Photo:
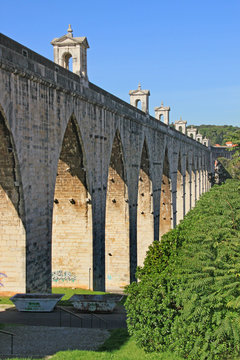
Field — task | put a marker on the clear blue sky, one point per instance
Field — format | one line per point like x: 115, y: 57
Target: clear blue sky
x: 186, y: 52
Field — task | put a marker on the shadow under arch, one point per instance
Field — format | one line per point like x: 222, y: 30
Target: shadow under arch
x: 72, y: 215
x: 204, y: 174
x: 145, y: 220
x: 194, y: 182
x: 117, y: 256
x: 188, y: 189
x: 166, y: 211
x: 198, y: 180
x: 180, y: 193
x: 12, y: 216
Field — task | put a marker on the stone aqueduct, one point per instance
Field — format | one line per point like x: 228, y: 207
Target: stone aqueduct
x: 87, y: 181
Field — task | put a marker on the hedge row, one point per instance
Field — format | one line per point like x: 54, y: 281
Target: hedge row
x: 187, y: 299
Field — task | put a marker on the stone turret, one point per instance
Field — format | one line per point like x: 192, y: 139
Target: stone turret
x: 192, y: 132
x: 199, y: 138
x: 206, y: 141
x: 162, y: 113
x: 180, y: 125
x: 141, y: 96
x: 67, y: 47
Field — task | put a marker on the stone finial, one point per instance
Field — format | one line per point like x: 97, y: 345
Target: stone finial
x: 141, y: 96
x: 70, y: 31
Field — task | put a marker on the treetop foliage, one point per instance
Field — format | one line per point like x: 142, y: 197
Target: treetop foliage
x: 233, y: 165
x: 217, y: 134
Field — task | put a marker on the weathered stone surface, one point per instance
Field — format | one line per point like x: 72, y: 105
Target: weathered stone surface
x: 69, y: 139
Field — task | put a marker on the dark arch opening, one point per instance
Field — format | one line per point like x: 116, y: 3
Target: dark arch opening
x: 193, y: 180
x: 187, y: 188
x: 72, y: 216
x: 165, y: 221
x: 204, y: 186
x: 138, y: 104
x: 67, y: 61
x: 117, y: 222
x: 145, y: 223
x: 180, y: 195
x: 12, y: 230
x: 197, y: 180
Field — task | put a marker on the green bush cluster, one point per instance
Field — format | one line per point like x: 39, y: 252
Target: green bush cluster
x: 187, y: 299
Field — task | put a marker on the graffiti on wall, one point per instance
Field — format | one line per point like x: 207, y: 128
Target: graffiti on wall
x: 64, y: 276
x: 2, y: 277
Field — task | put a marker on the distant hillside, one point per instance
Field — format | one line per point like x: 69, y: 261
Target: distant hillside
x: 216, y: 134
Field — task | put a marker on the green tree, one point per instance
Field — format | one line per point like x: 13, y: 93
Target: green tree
x: 233, y: 165
x: 217, y: 134
x: 188, y: 296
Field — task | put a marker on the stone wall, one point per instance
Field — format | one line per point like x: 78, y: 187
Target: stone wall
x: 74, y: 141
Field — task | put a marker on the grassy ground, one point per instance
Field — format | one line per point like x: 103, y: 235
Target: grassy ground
x: 118, y: 347
x: 70, y: 292
x: 5, y: 300
x: 63, y: 290
x: 59, y: 290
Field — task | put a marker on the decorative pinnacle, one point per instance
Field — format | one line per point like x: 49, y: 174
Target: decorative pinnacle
x: 139, y: 86
x: 162, y: 103
x: 180, y: 118
x: 70, y: 32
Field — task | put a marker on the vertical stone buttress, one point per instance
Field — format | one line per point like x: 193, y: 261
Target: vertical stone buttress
x: 180, y: 195
x: 165, y: 223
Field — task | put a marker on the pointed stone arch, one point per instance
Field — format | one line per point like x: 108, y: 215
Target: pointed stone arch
x: 166, y: 211
x: 180, y: 192
x: 205, y: 174
x: 72, y: 215
x: 194, y: 180
x: 188, y: 188
x: 202, y: 174
x: 12, y: 216
x: 145, y: 219
x: 117, y: 259
x: 198, y: 177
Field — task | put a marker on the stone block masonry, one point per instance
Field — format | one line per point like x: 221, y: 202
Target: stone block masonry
x: 87, y: 181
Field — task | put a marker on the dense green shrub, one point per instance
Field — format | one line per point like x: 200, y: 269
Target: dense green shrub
x: 187, y: 299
